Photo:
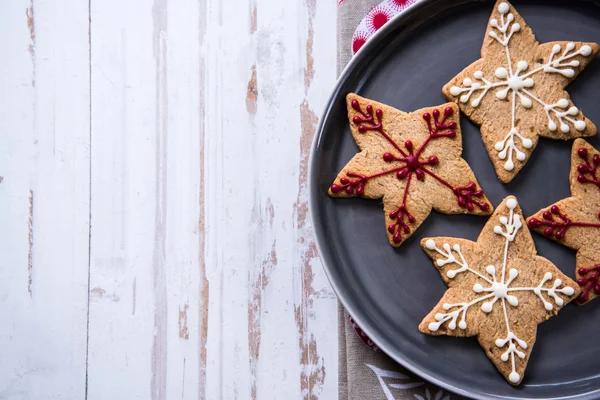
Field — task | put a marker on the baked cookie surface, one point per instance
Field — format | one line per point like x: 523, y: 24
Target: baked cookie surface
x: 410, y: 160
x: 498, y: 289
x: 515, y: 91
x: 575, y: 221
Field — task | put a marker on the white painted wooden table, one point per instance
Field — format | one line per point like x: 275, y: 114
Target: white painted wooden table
x: 154, y: 239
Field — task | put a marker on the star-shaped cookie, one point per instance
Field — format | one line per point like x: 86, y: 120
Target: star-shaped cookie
x: 575, y: 221
x: 498, y: 290
x: 515, y: 91
x: 412, y: 161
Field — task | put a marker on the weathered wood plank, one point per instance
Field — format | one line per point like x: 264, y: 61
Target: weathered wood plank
x: 204, y: 279
x: 145, y: 239
x: 269, y: 65
x: 44, y: 198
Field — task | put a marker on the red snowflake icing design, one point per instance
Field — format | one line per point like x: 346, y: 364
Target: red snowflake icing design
x: 588, y: 283
x: 378, y: 16
x: 411, y: 164
x: 587, y: 170
x: 556, y: 223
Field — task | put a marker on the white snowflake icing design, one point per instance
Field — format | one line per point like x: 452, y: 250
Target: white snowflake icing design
x: 515, y: 82
x: 491, y: 291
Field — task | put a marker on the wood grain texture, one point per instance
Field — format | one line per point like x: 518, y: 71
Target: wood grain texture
x: 160, y: 150
x: 145, y: 246
x: 44, y: 198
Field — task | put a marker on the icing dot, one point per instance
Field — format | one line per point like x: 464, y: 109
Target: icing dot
x: 511, y: 203
x: 552, y: 126
x: 564, y: 128
x: 585, y: 50
x: 477, y: 288
x: 568, y: 291
x: 563, y: 103
x: 573, y: 110
x: 570, y: 46
x: 569, y: 73
x: 529, y: 82
x: 451, y: 274
x: 503, y: 8
x: 467, y: 82
x: 487, y: 307
x: 499, y: 146
x: 456, y: 247
x: 452, y: 325
x: 494, y: 22
x: 499, y: 342
x: 439, y: 316
x: 504, y: 356
x: 580, y: 125
x: 462, y: 325
x: 509, y: 165
x: 502, y: 73
x: 559, y: 301
x: 490, y: 269
x: 521, y: 156
x: 464, y: 98
x: 514, y: 377
x: 497, y: 230
x: 478, y: 74
x: 455, y: 91
x: 504, y: 220
x: 433, y: 326
x: 527, y: 143
x: 446, y: 306
x: 526, y: 102
x: 513, y: 273
x: 516, y: 27
x: 556, y: 48
x: 548, y: 306
x: 512, y: 300
x: 501, y: 94
x: 522, y: 65
x: 430, y: 244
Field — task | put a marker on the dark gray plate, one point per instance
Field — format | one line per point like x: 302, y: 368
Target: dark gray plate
x: 388, y: 291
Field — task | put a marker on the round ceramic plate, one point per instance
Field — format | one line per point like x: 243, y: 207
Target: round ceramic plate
x: 388, y: 291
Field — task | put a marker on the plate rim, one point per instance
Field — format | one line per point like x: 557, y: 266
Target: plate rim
x: 399, y: 19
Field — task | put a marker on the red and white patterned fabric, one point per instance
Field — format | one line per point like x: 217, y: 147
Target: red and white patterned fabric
x: 375, y: 19
x: 363, y: 336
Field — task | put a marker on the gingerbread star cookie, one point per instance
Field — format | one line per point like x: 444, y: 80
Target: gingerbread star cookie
x: 575, y: 221
x: 498, y: 290
x: 412, y: 161
x: 515, y: 91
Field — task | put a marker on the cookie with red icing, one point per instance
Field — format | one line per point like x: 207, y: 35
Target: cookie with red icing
x: 575, y: 221
x: 516, y: 91
x: 410, y: 160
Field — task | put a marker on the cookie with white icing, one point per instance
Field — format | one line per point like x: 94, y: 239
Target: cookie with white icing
x: 498, y: 289
x: 575, y: 221
x: 515, y: 91
x: 410, y: 160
